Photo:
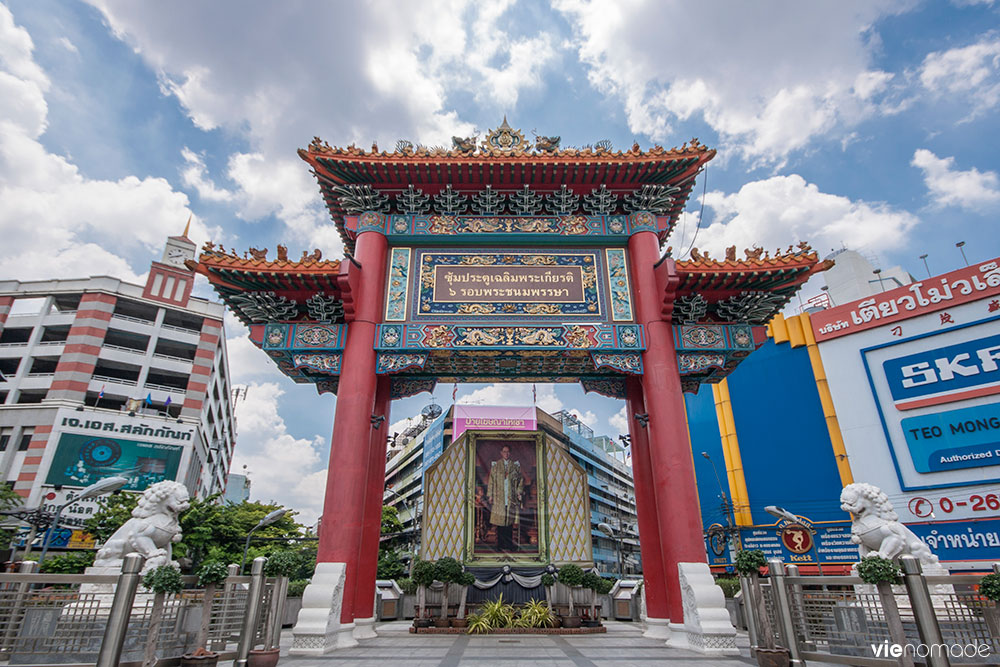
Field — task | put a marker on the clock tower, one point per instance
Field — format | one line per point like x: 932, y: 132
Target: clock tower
x: 170, y: 280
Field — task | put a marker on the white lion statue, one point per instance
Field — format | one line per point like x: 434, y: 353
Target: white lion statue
x: 875, y: 526
x: 151, y: 531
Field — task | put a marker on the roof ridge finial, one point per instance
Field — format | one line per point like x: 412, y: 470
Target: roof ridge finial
x: 187, y: 227
x: 504, y: 124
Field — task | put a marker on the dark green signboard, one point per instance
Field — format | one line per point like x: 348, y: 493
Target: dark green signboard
x: 81, y: 460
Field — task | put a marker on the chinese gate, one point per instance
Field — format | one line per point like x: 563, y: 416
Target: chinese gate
x: 503, y: 262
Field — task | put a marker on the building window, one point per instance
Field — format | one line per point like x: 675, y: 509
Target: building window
x: 4, y: 439
x: 25, y: 441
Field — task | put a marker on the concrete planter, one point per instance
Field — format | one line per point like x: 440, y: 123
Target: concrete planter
x: 291, y: 612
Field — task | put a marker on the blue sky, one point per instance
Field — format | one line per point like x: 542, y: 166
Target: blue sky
x: 870, y: 125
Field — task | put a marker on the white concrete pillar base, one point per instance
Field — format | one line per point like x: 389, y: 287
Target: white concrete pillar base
x: 707, y: 628
x: 318, y: 629
x: 657, y: 628
x: 364, y: 628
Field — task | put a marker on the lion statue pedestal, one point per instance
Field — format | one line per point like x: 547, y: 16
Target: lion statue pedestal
x: 876, y: 529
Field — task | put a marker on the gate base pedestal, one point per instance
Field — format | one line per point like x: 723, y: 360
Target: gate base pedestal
x: 706, y: 627
x: 318, y: 629
x: 364, y: 628
x: 657, y: 628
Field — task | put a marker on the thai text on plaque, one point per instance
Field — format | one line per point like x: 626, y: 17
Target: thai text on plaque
x: 487, y: 284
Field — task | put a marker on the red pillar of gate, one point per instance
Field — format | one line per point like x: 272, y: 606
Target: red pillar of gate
x: 671, y: 464
x: 645, y: 508
x: 364, y: 592
x: 347, y: 475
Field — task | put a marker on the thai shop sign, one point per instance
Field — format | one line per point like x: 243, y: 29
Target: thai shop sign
x: 961, y: 540
x: 492, y: 418
x: 146, y: 428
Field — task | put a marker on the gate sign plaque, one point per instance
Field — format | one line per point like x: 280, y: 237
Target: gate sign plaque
x: 510, y: 284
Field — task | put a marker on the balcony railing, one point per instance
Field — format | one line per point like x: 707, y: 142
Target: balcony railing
x: 106, y: 378
x: 122, y: 348
x: 163, y: 387
x: 171, y: 357
x: 172, y: 327
x: 129, y: 318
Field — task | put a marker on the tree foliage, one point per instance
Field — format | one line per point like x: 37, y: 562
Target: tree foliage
x: 113, y: 511
x: 390, y: 565
x: 71, y: 562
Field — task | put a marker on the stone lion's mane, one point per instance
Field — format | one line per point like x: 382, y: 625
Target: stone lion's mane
x: 876, y: 499
x: 152, y: 499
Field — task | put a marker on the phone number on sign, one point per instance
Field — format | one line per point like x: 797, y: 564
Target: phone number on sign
x: 924, y: 507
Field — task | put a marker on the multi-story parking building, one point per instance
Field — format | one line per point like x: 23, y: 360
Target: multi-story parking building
x: 101, y: 377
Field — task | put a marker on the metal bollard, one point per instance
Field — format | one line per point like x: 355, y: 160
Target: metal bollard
x: 121, y: 609
x: 750, y: 612
x: 923, y: 609
x: 255, y: 597
x: 277, y: 611
x: 783, y: 611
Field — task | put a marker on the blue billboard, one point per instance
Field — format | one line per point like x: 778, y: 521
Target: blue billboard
x: 945, y: 374
x: 434, y: 442
x: 954, y: 439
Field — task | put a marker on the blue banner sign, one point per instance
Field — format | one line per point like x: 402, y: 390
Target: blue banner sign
x: 799, y: 543
x: 433, y: 442
x: 966, y: 438
x: 945, y: 374
x: 961, y: 540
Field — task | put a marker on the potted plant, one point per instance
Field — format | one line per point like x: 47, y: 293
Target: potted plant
x: 465, y: 580
x: 883, y: 574
x: 591, y: 581
x: 281, y: 565
x: 989, y: 588
x: 210, y: 575
x: 161, y: 581
x: 534, y: 614
x: 422, y: 574
x: 748, y: 565
x: 571, y: 576
x: 448, y: 571
x: 549, y: 582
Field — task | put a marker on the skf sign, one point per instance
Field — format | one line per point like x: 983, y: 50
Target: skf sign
x: 946, y: 374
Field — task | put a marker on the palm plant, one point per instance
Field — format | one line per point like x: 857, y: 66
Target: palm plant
x: 535, y: 614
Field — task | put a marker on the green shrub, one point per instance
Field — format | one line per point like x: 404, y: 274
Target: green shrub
x: 423, y: 573
x: 548, y: 580
x: 571, y: 575
x: 498, y: 613
x: 989, y: 587
x: 71, y: 562
x: 282, y: 564
x: 296, y: 587
x: 730, y: 586
x: 534, y: 614
x: 467, y: 579
x: 878, y: 570
x: 212, y: 572
x: 407, y: 585
x: 605, y: 586
x: 447, y: 570
x: 390, y: 565
x: 750, y: 561
x: 478, y: 624
x: 591, y: 580
x: 164, y: 579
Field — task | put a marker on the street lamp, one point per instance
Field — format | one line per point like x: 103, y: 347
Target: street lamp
x: 266, y: 521
x: 927, y: 268
x: 962, y: 250
x: 782, y: 513
x: 610, y: 532
x: 98, y: 488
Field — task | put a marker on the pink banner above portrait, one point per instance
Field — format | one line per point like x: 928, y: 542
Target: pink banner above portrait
x: 492, y: 418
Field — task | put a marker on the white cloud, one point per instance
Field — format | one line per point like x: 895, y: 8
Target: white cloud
x: 947, y: 186
x: 194, y: 175
x: 619, y: 421
x: 783, y: 210
x: 381, y: 89
x: 767, y: 81
x: 972, y: 71
x: 282, y: 468
x: 514, y: 394
x: 56, y: 222
x: 68, y: 45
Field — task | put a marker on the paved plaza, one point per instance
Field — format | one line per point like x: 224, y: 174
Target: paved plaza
x: 622, y: 646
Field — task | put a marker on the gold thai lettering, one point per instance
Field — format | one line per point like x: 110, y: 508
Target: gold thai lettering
x: 534, y: 284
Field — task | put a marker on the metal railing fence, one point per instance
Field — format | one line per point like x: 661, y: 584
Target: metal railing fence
x: 104, y: 619
x: 842, y: 620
